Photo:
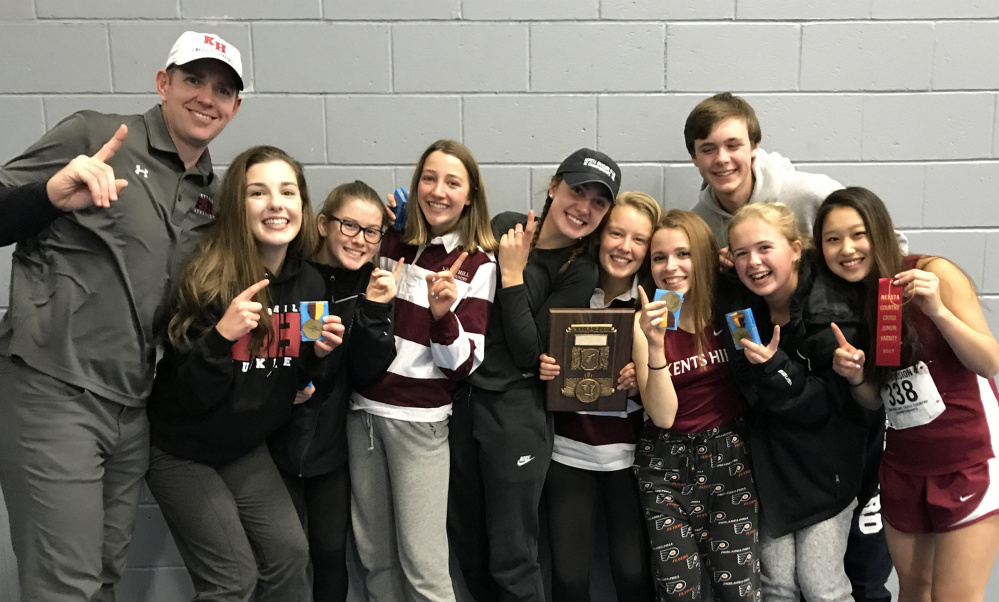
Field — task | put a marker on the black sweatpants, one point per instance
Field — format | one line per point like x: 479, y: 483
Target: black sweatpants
x: 323, y: 506
x: 572, y: 496
x: 501, y: 446
x: 868, y: 563
x: 701, y: 510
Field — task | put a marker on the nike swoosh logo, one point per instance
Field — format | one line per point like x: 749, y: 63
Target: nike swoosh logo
x: 524, y: 460
x: 718, y: 332
x: 965, y: 498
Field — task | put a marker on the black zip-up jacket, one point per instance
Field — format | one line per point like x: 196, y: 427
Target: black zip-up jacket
x: 808, y: 436
x: 314, y: 441
x: 518, y: 324
x: 213, y: 403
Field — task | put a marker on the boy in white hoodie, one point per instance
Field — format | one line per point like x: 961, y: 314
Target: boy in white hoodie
x: 723, y: 137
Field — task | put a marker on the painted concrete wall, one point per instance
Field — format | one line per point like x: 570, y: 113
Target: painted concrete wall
x: 896, y: 95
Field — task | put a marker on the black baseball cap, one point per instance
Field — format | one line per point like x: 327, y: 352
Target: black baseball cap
x: 586, y: 166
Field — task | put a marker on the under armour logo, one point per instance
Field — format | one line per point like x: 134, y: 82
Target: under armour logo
x: 140, y: 171
x: 524, y: 460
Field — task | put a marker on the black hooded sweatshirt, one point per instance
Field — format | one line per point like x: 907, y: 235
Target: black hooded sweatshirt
x: 808, y: 436
x: 314, y: 441
x: 214, y: 402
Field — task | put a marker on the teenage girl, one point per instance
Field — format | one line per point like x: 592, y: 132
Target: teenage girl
x: 938, y: 477
x: 397, y: 431
x: 228, y: 378
x: 502, y: 443
x: 311, y: 449
x: 693, y: 466
x: 594, y: 451
x: 808, y: 437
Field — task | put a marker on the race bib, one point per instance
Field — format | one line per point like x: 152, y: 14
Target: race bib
x: 911, y: 398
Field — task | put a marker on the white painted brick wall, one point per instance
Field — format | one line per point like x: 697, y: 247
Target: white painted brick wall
x: 897, y: 95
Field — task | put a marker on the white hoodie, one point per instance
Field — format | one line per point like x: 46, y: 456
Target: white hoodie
x: 775, y: 181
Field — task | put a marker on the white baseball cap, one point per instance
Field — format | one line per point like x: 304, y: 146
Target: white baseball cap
x: 191, y: 46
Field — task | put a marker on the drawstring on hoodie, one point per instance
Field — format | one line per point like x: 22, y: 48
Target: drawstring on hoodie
x: 366, y: 418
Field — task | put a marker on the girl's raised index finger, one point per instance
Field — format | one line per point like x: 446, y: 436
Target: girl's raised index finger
x: 253, y: 290
x: 531, y: 225
x: 839, y: 335
x: 457, y: 262
x: 398, y: 268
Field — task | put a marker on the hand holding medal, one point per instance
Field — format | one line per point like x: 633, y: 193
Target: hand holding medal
x: 757, y: 353
x: 442, y: 292
x: 651, y: 317
x: 305, y: 394
x: 243, y: 313
x: 332, y: 335
x: 381, y: 285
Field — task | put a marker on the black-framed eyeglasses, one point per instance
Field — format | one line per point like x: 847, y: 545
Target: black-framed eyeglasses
x: 350, y: 229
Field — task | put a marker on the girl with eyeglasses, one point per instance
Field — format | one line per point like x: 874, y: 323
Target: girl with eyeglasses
x: 397, y: 429
x: 311, y: 449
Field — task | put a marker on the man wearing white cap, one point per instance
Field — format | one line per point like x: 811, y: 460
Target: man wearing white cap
x: 126, y: 197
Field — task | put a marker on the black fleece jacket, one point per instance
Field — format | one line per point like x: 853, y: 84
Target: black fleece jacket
x: 517, y: 334
x: 314, y: 441
x: 808, y: 436
x: 213, y: 403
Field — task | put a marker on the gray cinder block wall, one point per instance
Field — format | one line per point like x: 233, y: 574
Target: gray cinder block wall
x: 896, y: 95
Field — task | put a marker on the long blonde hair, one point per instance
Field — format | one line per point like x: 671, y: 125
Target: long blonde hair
x: 473, y: 224
x: 649, y: 208
x: 777, y: 215
x: 226, y: 261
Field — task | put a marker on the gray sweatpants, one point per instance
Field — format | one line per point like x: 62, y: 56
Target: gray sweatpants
x: 809, y: 561
x: 235, y: 527
x: 71, y: 467
x: 399, y: 484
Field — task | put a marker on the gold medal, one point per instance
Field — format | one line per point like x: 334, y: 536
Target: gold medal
x: 672, y: 301
x: 312, y: 329
x: 741, y: 333
x: 587, y: 390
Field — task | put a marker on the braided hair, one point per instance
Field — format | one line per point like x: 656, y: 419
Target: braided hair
x: 582, y: 245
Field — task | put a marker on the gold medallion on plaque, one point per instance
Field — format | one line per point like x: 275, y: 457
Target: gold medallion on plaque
x: 591, y: 346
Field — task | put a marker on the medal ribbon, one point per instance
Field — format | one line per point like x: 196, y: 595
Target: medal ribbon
x: 889, y: 327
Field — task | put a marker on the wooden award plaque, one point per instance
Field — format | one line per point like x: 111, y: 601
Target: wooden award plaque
x: 591, y: 346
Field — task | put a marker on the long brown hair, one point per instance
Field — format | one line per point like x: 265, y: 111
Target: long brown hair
x: 887, y: 260
x: 226, y: 261
x: 473, y: 225
x: 700, y: 299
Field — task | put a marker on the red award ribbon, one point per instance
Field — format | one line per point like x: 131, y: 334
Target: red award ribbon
x: 889, y: 333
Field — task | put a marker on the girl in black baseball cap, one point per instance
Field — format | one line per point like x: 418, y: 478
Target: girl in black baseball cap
x: 501, y: 435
